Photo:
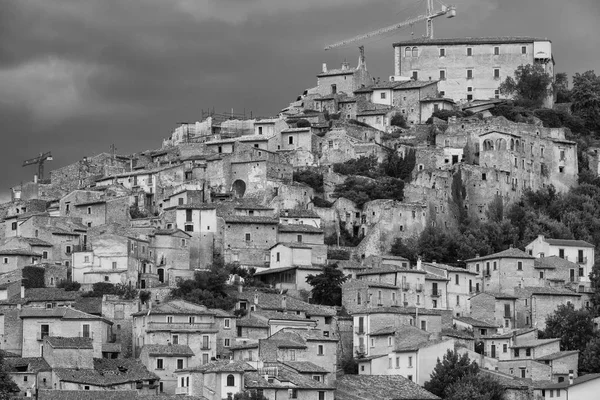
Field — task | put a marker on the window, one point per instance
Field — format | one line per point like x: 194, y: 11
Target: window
x: 528, y: 352
x: 561, y: 253
x: 496, y: 50
x: 523, y: 49
x: 227, y: 323
x: 321, y: 395
x: 89, y: 210
x: 415, y: 76
x: 495, y: 266
x: 45, y: 255
x: 230, y: 380
x: 320, y: 350
x: 383, y: 95
x: 175, y: 339
x: 442, y: 52
x: 410, y: 377
x: 497, y: 96
x: 180, y: 363
x: 114, y: 265
x: 226, y: 342
x: 504, y: 348
x: 299, y: 237
x: 68, y: 250
x: 290, y: 140
x: 333, y: 90
x: 293, y: 393
x: 25, y: 378
x: 86, y: 388
x: 415, y: 52
x: 410, y: 364
x: 496, y: 73
x: 424, y: 325
x: 458, y: 300
x: 442, y: 74
x: 469, y: 51
x: 389, y: 340
x: 407, y: 52
x: 44, y: 331
x: 248, y: 237
x: 85, y: 331
x: 159, y: 363
x: 442, y: 93
x: 293, y: 355
x: 192, y: 320
x: 516, y: 352
x: 469, y: 74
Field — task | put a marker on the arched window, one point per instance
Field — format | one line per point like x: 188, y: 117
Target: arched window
x: 415, y: 52
x: 512, y: 144
x: 230, y: 380
x: 488, y: 145
x: 517, y: 145
x: 407, y: 52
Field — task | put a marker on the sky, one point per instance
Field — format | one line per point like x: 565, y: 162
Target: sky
x: 79, y: 75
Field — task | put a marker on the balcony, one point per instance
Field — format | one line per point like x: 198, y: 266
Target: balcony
x: 205, y: 347
x: 359, y: 331
x: 180, y: 326
x: 436, y: 293
x: 405, y: 286
x: 41, y: 335
x: 581, y: 260
x: 419, y: 287
x: 182, y: 390
x: 360, y: 350
x: 86, y: 334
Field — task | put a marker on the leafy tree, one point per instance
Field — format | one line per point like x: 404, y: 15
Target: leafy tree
x: 319, y: 202
x: 398, y: 120
x: 400, y: 167
x: 589, y: 359
x: 446, y: 114
x: 69, y: 286
x: 350, y: 365
x: 595, y: 283
x: 399, y: 248
x: 145, y: 296
x: 207, y: 287
x: 33, y: 277
x: 327, y: 286
x: 303, y: 123
x: 530, y: 86
x: 363, y: 166
x: 310, y: 177
x: 561, y: 88
x: 361, y: 190
x: 575, y: 328
x: 248, y: 395
x: 8, y: 388
x: 475, y: 387
x: 586, y: 98
x: 448, y: 371
x: 99, y: 289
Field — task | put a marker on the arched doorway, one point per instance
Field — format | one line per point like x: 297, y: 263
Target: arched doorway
x: 161, y: 275
x: 239, y: 188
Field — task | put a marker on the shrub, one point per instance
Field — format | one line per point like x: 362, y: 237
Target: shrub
x: 319, y: 202
x: 69, y: 286
x: 398, y: 120
x: 33, y: 277
x: 302, y: 123
x: 338, y: 254
x: 311, y: 178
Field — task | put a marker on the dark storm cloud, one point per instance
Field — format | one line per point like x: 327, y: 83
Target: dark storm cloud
x: 78, y: 75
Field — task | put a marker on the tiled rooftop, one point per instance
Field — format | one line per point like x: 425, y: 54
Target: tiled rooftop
x: 59, y: 342
x: 508, y: 253
x: 380, y: 387
x: 471, y: 40
x: 168, y: 350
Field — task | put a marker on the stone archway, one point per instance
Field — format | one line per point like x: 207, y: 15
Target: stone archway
x: 239, y: 188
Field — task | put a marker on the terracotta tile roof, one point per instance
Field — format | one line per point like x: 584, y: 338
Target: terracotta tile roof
x: 553, y: 262
x: 568, y: 242
x: 576, y: 381
x: 471, y: 40
x: 389, y: 268
x: 375, y: 112
x: 508, y: 253
x: 284, y: 379
x: 273, y: 301
x: 338, y: 71
x: 250, y: 321
x: 201, y: 206
x: 19, y: 252
x: 380, y: 387
x: 89, y: 305
x: 305, y: 228
x: 435, y: 277
x: 395, y: 310
x: 305, y: 367
x: 182, y: 307
x: 545, y: 291
x: 456, y: 333
x: 298, y: 213
x: 50, y: 294
x: 107, y: 372
x: 168, y: 350
x: 26, y: 364
x: 533, y: 343
x: 46, y: 394
x: 269, y: 315
x: 293, y: 245
x: 475, y: 322
x: 557, y: 355
x: 270, y: 271
x: 449, y: 268
x: 36, y: 242
x: 222, y: 366
x: 170, y: 232
x: 247, y: 219
x: 510, y: 334
x: 59, y: 342
x: 65, y: 313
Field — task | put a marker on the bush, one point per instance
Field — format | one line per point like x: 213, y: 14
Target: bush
x: 312, y: 178
x: 361, y: 190
x: 303, y: 123
x: 33, y: 277
x: 398, y: 120
x: 319, y: 202
x: 363, y: 166
x: 337, y: 254
x: 69, y: 286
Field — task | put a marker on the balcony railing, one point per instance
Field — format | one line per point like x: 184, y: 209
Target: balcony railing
x: 419, y: 287
x: 360, y: 349
x: 581, y: 260
x: 436, y: 293
x: 405, y: 286
x: 359, y: 331
x: 205, y: 347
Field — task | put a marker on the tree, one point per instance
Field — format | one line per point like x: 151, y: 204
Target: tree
x: 207, y: 287
x: 312, y: 178
x: 450, y: 370
x: 398, y: 120
x: 249, y: 395
x: 595, y: 283
x: 69, y: 286
x: 475, y: 387
x: 399, y: 248
x: 531, y: 85
x: 99, y: 289
x: 145, y: 296
x: 327, y: 286
x: 589, y: 359
x: 8, y: 387
x: 33, y: 277
x: 561, y: 88
x: 586, y: 98
x: 303, y: 123
x: 575, y: 328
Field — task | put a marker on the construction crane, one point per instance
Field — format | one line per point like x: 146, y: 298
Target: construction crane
x: 428, y: 17
x: 39, y: 160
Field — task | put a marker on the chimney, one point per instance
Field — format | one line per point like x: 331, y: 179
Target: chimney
x: 22, y: 291
x: 419, y: 264
x: 477, y: 255
x: 35, y: 178
x: 362, y: 62
x: 284, y: 302
x: 514, y: 338
x: 345, y: 66
x: 255, y: 298
x: 434, y: 262
x: 571, y: 375
x: 324, y: 69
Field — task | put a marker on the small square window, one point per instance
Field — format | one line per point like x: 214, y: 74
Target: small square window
x: 523, y: 49
x: 442, y: 75
x: 496, y: 50
x: 469, y: 51
x: 469, y: 74
x: 496, y: 73
x: 442, y: 52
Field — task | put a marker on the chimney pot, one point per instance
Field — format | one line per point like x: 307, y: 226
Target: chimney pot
x: 22, y: 291
x: 324, y: 69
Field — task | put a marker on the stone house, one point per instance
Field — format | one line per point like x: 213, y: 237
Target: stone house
x: 179, y: 322
x: 345, y: 79
x: 248, y: 239
x: 460, y: 287
x: 291, y: 278
x: 214, y: 381
x: 94, y: 207
x: 375, y: 387
x: 406, y: 351
x: 503, y: 271
x: 534, y: 304
x: 201, y: 223
x: 120, y: 311
x: 495, y: 308
x: 296, y: 139
x: 429, y: 105
x: 381, y: 294
x: 164, y: 360
x: 410, y: 281
x: 269, y: 381
x: 171, y: 255
x: 35, y: 245
x: 17, y: 259
x: 62, y: 322
x: 29, y: 373
x: 576, y: 251
x: 471, y: 68
x: 498, y: 345
x: 436, y: 292
x: 580, y: 388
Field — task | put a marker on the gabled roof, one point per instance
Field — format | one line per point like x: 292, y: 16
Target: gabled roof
x: 181, y: 307
x: 533, y: 343
x: 35, y: 242
x: 47, y: 394
x: 107, y: 372
x: 273, y: 301
x: 389, y: 269
x: 59, y: 342
x: 50, y: 294
x: 298, y: 213
x: 29, y: 364
x: 270, y: 271
x: 545, y: 291
x: 577, y: 381
x: 475, y: 322
x: 168, y: 350
x: 289, y: 379
x: 557, y: 355
x: 471, y: 40
x: 568, y: 242
x: 553, y: 262
x: 508, y: 253
x: 247, y: 219
x: 380, y: 387
x: 19, y: 252
x: 64, y: 313
x: 221, y: 366
x: 304, y: 367
x: 252, y: 322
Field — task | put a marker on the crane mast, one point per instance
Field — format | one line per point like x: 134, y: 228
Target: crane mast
x: 428, y: 17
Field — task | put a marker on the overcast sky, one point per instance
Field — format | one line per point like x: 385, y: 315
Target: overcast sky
x: 79, y: 75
